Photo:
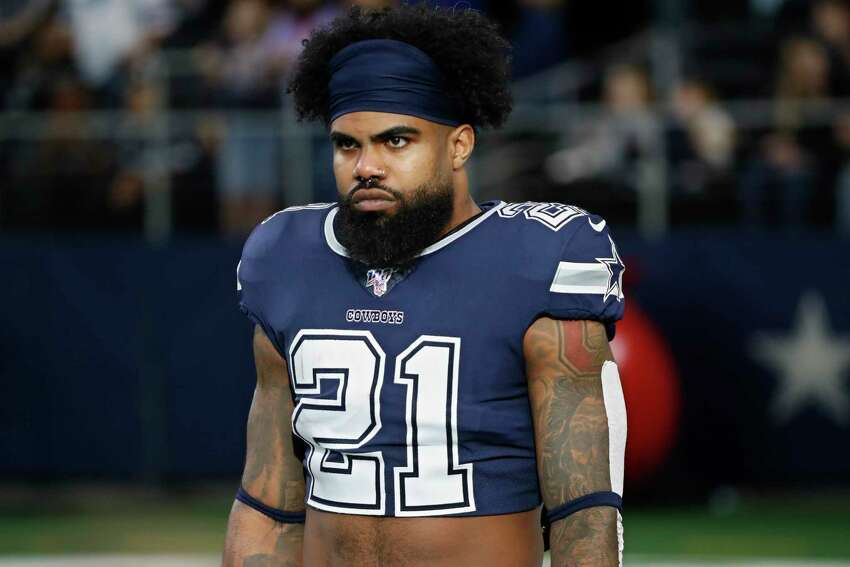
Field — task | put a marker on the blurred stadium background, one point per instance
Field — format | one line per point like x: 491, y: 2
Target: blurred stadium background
x: 141, y: 139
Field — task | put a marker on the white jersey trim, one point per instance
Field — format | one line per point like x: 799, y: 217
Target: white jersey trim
x: 337, y: 247
x: 311, y: 207
x: 579, y: 277
x: 615, y: 411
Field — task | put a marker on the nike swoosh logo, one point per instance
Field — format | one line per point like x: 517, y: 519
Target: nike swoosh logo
x: 598, y: 227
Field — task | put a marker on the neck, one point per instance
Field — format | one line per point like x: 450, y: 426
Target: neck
x: 464, y: 205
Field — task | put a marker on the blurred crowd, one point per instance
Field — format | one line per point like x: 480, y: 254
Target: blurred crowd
x: 126, y: 61
x: 776, y: 153
x: 60, y: 57
x: 106, y: 56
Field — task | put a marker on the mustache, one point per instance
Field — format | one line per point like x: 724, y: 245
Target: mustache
x: 367, y: 185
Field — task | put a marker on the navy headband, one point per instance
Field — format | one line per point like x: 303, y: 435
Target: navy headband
x: 384, y: 75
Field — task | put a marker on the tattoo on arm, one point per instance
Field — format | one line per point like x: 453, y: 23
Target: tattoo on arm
x: 287, y: 541
x: 288, y: 538
x: 564, y: 362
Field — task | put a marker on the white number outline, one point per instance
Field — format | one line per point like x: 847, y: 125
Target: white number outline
x: 338, y: 404
x: 554, y: 216
x: 411, y: 381
x: 330, y: 462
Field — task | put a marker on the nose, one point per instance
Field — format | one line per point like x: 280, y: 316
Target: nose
x: 367, y: 167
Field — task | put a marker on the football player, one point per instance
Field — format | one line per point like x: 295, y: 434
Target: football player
x: 430, y: 370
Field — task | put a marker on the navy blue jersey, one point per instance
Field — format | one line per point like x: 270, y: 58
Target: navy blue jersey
x: 409, y: 387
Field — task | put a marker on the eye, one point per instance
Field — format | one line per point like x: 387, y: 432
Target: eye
x: 345, y: 144
x: 397, y: 142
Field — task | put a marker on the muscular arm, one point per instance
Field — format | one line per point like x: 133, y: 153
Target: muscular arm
x: 272, y: 473
x: 564, y: 362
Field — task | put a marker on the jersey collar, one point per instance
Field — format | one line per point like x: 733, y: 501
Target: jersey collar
x: 336, y: 246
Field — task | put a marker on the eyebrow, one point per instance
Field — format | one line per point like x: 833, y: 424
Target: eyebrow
x: 339, y: 137
x: 395, y: 131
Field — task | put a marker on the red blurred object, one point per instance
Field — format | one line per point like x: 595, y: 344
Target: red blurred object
x: 651, y: 389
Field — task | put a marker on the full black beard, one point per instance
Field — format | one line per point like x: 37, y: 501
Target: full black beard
x: 382, y: 241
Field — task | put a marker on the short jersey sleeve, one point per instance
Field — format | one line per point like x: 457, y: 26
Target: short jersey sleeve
x: 587, y: 277
x: 256, y: 274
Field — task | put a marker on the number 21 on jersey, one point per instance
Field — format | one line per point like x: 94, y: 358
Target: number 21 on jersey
x: 338, y: 376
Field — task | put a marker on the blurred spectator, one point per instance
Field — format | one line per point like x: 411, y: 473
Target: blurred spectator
x: 194, y: 203
x: 50, y: 56
x: 288, y: 29
x: 240, y: 72
x: 615, y: 143
x: 796, y: 150
x: 248, y: 71
x: 260, y: 41
x: 20, y: 19
x: 842, y: 196
x: 259, y: 44
x: 831, y: 24
x: 61, y: 182
x: 109, y: 32
x: 149, y: 162
x: 141, y: 158
x: 830, y: 21
x: 116, y: 39
x: 702, y: 144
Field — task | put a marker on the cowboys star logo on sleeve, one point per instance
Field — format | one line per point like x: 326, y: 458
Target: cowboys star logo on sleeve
x: 615, y: 269
x: 603, y: 277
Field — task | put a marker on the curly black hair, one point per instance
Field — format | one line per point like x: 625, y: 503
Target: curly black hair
x: 468, y: 48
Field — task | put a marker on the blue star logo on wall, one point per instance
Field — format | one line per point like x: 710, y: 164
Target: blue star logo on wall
x: 615, y: 269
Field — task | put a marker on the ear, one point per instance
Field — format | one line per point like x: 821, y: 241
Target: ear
x: 461, y: 144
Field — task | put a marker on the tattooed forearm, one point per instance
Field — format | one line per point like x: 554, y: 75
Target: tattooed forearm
x: 564, y: 361
x: 288, y: 537
x: 255, y: 541
x: 272, y: 473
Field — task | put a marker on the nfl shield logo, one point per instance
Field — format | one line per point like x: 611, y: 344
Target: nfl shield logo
x: 378, y: 280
